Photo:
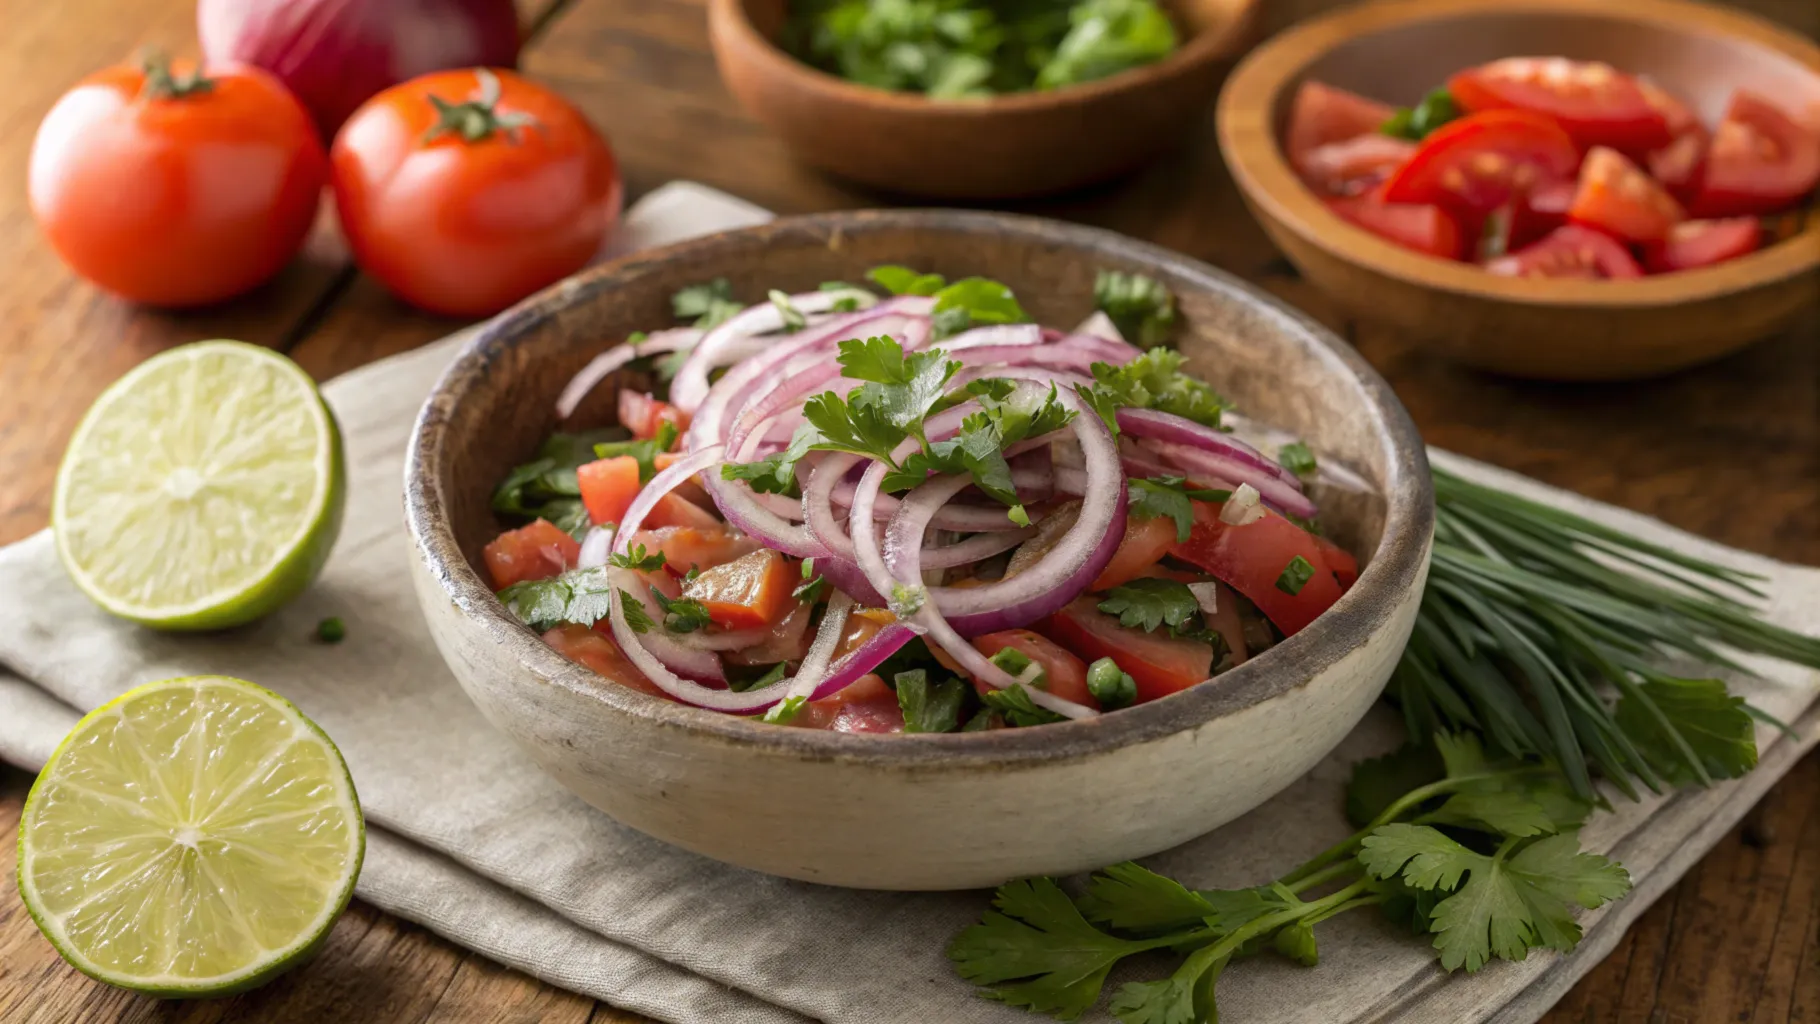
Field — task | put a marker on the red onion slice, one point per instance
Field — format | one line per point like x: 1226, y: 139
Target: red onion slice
x: 594, y: 547
x: 603, y: 365
x: 995, y: 336
x: 1203, y: 465
x: 1177, y: 430
x: 691, y: 384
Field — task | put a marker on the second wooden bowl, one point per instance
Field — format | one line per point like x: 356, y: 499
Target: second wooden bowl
x: 1395, y: 50
x: 1011, y: 146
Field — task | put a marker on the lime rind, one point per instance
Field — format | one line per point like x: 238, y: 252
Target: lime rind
x: 301, y: 942
x: 111, y: 533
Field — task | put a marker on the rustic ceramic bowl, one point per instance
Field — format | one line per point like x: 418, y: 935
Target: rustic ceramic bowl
x: 922, y: 811
x: 1009, y: 146
x: 1395, y: 50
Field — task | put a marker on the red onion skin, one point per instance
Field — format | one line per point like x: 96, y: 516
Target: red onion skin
x: 336, y: 54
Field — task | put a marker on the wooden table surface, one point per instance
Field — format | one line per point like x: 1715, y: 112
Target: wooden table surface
x: 1730, y: 451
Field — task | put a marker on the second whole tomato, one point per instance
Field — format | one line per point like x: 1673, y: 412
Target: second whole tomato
x: 465, y: 191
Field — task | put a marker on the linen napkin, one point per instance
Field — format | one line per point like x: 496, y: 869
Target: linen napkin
x: 470, y: 839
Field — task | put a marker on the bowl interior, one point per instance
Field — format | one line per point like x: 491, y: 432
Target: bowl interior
x: 1401, y: 62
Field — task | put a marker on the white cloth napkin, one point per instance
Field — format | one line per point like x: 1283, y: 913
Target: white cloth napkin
x: 470, y: 839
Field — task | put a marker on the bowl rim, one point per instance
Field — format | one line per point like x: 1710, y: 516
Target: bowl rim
x: 1247, y: 132
x: 1397, y: 566
x: 1200, y: 49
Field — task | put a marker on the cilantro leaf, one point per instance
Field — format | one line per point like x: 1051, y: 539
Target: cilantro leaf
x: 645, y: 451
x: 1378, y: 782
x: 1106, y: 37
x: 793, y: 319
x: 1133, y: 898
x: 1509, y: 903
x: 785, y: 711
x: 776, y: 473
x: 974, y: 300
x: 1154, y: 381
x: 636, y: 558
x: 1298, y: 458
x: 813, y: 587
x: 1714, y: 725
x: 546, y: 487
x: 771, y: 675
x: 1015, y: 704
x: 1159, y: 496
x: 1184, y: 997
x: 861, y: 430
x: 636, y: 616
x: 927, y: 706
x: 681, y: 614
x: 1297, y: 943
x: 1149, y: 604
x: 1295, y: 576
x: 1036, y: 951
x: 709, y: 304
x: 1139, y: 306
x: 904, y: 281
x: 580, y: 596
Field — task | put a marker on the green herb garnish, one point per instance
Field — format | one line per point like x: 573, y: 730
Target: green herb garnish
x: 580, y: 596
x: 1150, y: 604
x: 1298, y: 458
x: 1414, y: 123
x: 1153, y: 380
x: 1295, y: 576
x: 929, y: 706
x: 708, y: 305
x: 785, y: 711
x: 1170, y: 496
x: 1111, y: 686
x: 546, y: 488
x: 331, y: 631
x: 1014, y: 704
x: 681, y: 614
x: 636, y: 558
x: 1139, y: 306
x: 811, y: 589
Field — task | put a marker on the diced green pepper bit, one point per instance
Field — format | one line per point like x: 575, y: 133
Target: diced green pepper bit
x: 1110, y: 685
x: 331, y: 631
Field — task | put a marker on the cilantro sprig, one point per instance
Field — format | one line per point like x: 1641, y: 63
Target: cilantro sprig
x: 546, y: 487
x: 1153, y: 380
x: 1159, y: 496
x: 1152, y: 604
x: 580, y: 596
x: 707, y: 305
x: 1140, y: 307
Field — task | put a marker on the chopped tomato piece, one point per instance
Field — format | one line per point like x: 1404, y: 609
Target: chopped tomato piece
x: 1226, y: 621
x: 675, y: 510
x: 1424, y: 228
x: 1354, y: 166
x: 1321, y: 114
x: 750, y: 592
x: 535, y: 552
x: 1540, y: 211
x: 695, y: 547
x: 643, y: 414
x: 1145, y: 543
x: 1478, y: 162
x: 1677, y: 116
x: 1760, y: 161
x: 864, y: 705
x: 1252, y: 559
x: 1572, y: 251
x: 1345, y: 567
x: 595, y: 650
x: 1616, y: 197
x: 787, y: 641
x: 1158, y: 663
x: 1680, y: 164
x: 1064, y: 674
x: 1597, y: 104
x: 608, y: 487
x: 862, y: 626
x: 1701, y: 243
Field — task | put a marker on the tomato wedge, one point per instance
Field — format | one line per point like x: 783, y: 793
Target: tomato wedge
x: 1321, y: 114
x: 1680, y: 165
x: 1760, y: 161
x: 1422, y: 227
x: 1345, y: 568
x: 1354, y: 166
x: 864, y: 705
x: 1252, y: 559
x: 750, y: 592
x: 608, y: 487
x: 1701, y: 243
x: 535, y: 552
x: 642, y: 414
x: 674, y: 510
x: 1145, y: 543
x: 1064, y: 674
x: 592, y: 649
x: 1596, y: 104
x: 695, y: 547
x: 1158, y: 663
x: 1478, y: 162
x: 1616, y: 197
x: 1572, y: 251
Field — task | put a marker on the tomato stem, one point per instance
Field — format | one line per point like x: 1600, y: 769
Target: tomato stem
x: 478, y: 118
x: 160, y: 84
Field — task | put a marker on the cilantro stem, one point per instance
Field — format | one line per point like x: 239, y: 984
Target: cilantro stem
x: 1322, y: 876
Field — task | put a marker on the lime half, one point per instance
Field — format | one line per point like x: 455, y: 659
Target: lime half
x: 193, y: 837
x: 202, y: 490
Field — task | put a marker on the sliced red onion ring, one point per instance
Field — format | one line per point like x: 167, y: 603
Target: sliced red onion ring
x: 1203, y: 465
x: 594, y: 547
x: 995, y: 336
x: 691, y: 384
x: 1177, y: 430
x: 603, y: 365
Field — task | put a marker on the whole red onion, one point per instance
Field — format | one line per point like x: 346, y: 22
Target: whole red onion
x: 335, y: 54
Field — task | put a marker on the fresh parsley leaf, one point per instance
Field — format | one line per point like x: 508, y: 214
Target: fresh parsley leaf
x: 1133, y: 898
x: 681, y: 614
x: 1139, y: 306
x: 974, y: 300
x: 1156, y: 497
x: 1378, y: 782
x: 1296, y: 942
x: 568, y: 515
x: 984, y: 719
x: 545, y: 487
x: 1298, y: 458
x: 813, y: 587
x: 1153, y: 381
x: 1714, y: 725
x: 1510, y: 902
x: 1295, y: 576
x: 709, y: 304
x: 785, y: 711
x: 1036, y: 951
x: 1149, y: 604
x: 776, y: 473
x: 793, y: 318
x: 1106, y: 37
x: 646, y: 451
x: 580, y: 596
x: 1015, y: 704
x: 771, y: 675
x: 637, y: 558
x: 636, y: 616
x: 904, y: 281
x: 1112, y: 687
x: 1415, y: 123
x: 859, y: 429
x: 927, y: 706
x: 1182, y: 998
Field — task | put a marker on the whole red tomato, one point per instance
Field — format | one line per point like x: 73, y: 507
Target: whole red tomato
x: 465, y: 191
x: 175, y: 189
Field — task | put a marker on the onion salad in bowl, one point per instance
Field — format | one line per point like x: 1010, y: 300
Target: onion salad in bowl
x: 915, y: 512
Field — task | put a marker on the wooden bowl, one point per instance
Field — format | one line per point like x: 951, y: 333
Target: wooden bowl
x: 1395, y: 50
x: 1017, y: 145
x: 922, y: 811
